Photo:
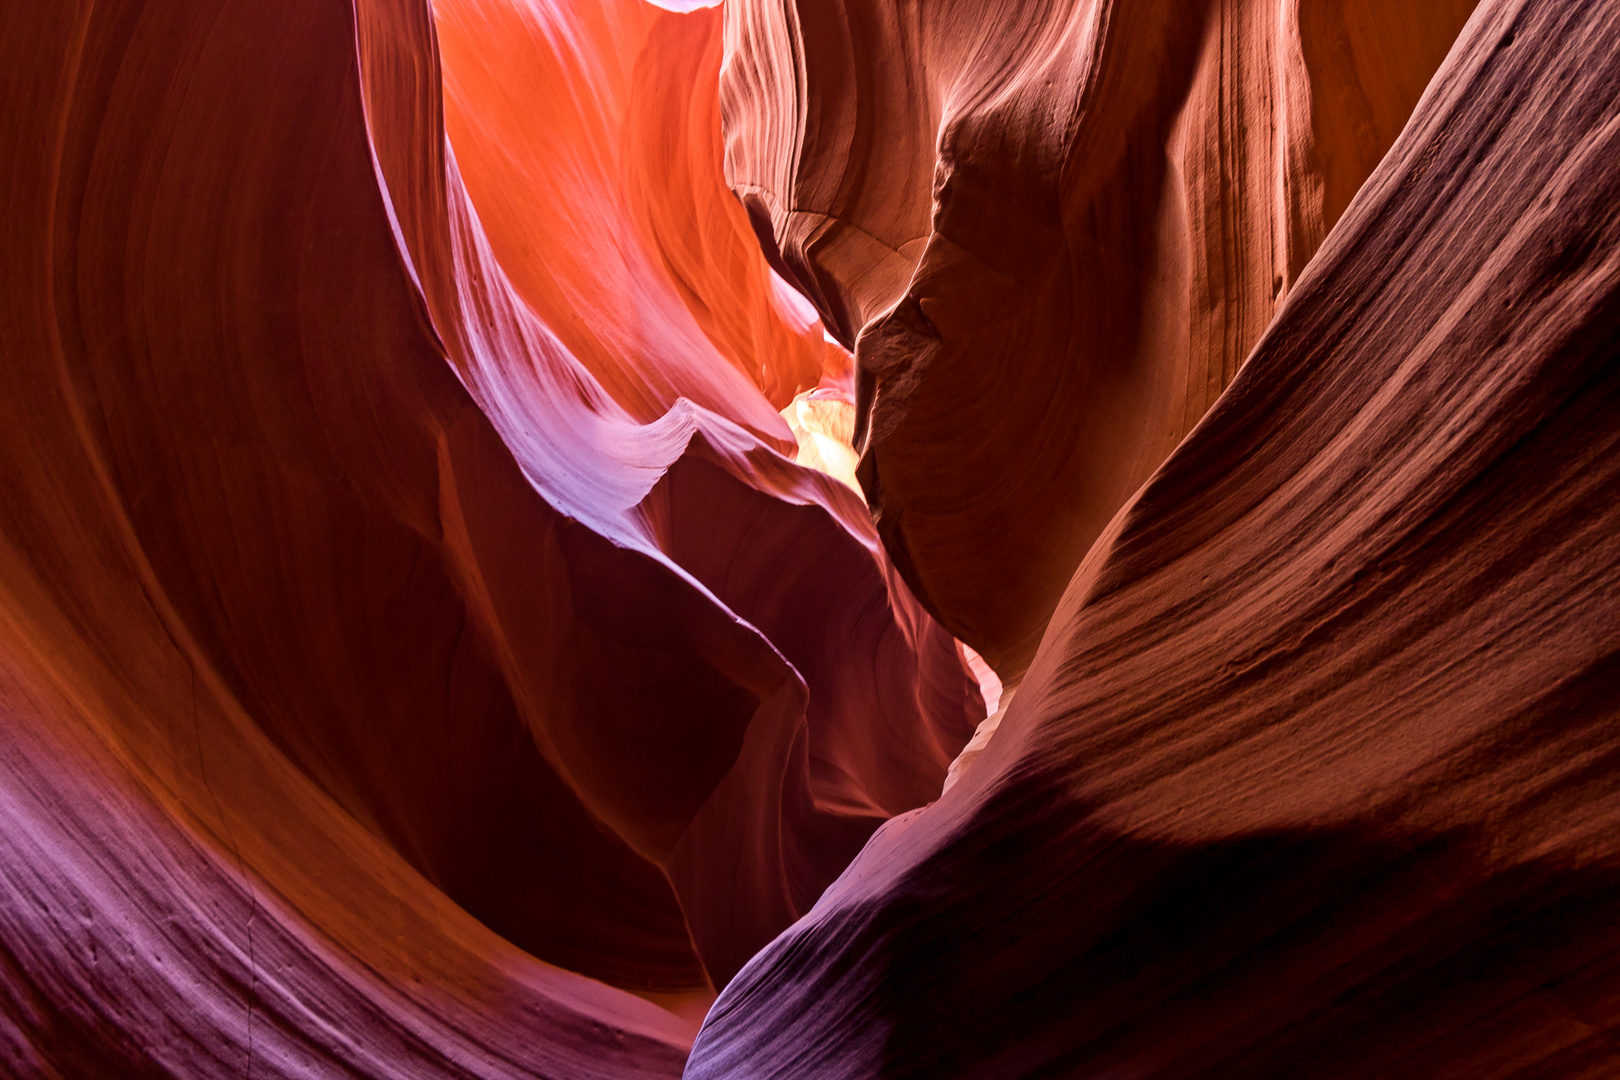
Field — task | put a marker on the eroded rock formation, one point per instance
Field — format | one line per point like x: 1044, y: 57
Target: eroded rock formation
x: 441, y: 633
x: 363, y: 643
x: 1057, y: 227
x: 1315, y: 771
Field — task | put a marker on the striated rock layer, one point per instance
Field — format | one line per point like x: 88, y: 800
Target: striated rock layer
x: 443, y: 631
x: 1051, y: 230
x: 378, y: 671
x: 1315, y: 772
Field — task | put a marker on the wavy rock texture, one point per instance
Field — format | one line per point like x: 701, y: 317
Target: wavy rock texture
x: 1056, y: 228
x: 1315, y: 772
x: 441, y: 634
x: 378, y: 672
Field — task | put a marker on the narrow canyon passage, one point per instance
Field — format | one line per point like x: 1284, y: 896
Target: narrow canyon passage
x: 926, y: 538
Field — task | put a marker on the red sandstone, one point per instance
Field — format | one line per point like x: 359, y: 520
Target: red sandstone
x: 444, y: 630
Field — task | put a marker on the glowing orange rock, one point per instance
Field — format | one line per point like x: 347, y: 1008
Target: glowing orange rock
x: 359, y: 646
x: 440, y: 634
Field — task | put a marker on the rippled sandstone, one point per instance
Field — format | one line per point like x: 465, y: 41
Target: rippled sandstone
x: 1314, y: 772
x: 441, y: 634
x: 1051, y: 230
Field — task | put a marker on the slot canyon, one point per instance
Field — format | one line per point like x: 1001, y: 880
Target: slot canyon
x: 810, y: 539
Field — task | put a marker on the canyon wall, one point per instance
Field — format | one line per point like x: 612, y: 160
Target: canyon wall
x: 385, y: 685
x: 1314, y: 772
x: 445, y: 630
x: 1051, y: 230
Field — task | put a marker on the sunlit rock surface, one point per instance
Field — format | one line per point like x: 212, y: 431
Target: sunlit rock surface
x: 463, y: 605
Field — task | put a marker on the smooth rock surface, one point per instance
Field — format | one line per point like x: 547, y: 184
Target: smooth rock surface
x: 382, y: 681
x: 1315, y: 772
x: 1051, y: 230
x: 447, y: 628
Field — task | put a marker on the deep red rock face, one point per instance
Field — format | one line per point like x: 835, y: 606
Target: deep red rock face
x: 395, y: 645
x: 442, y: 632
